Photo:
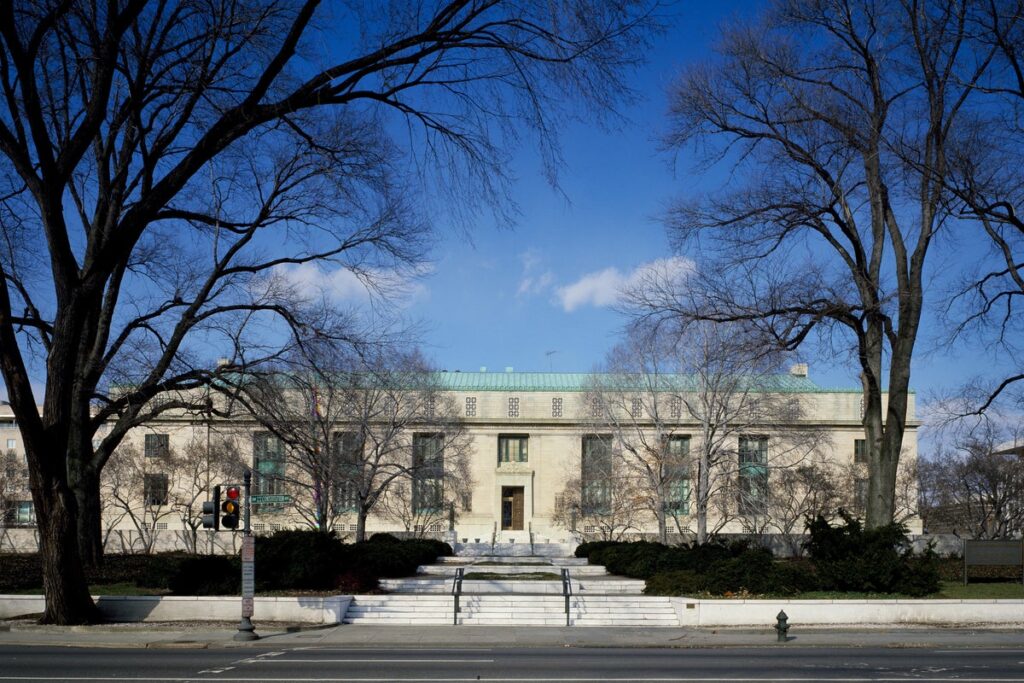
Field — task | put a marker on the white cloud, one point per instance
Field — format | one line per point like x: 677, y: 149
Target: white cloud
x: 605, y: 287
x: 344, y: 285
x: 531, y: 282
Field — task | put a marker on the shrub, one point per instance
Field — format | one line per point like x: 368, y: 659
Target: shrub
x: 206, y: 575
x: 637, y: 560
x: 585, y: 549
x: 849, y: 557
x: 384, y: 538
x: 302, y: 559
x: 680, y: 582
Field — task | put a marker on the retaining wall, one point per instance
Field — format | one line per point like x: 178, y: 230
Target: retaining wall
x: 307, y: 610
x: 711, y: 613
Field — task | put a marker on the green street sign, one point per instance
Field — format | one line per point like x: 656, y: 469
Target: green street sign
x: 273, y: 498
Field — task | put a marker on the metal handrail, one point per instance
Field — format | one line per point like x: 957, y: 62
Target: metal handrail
x: 457, y: 593
x: 566, y: 592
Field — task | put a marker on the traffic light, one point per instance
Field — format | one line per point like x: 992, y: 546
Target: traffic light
x: 229, y: 508
x: 211, y: 516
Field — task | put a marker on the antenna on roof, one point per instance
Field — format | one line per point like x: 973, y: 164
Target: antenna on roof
x: 549, y: 354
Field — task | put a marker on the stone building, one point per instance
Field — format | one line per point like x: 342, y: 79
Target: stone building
x: 539, y: 462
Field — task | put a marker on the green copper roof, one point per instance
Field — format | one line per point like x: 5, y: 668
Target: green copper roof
x: 581, y: 381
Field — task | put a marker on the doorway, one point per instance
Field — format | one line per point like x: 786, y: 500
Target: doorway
x: 512, y: 498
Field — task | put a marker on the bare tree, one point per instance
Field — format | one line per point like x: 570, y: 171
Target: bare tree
x: 168, y: 165
x: 703, y: 402
x: 205, y: 460
x: 136, y: 490
x: 837, y: 117
x: 608, y: 509
x: 354, y: 426
x: 975, y: 490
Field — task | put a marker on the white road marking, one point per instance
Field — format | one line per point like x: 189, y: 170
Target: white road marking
x: 677, y: 679
x: 391, y: 660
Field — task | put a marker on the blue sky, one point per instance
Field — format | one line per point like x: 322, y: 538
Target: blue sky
x: 536, y: 297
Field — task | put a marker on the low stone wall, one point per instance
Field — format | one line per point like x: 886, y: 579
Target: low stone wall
x: 306, y: 610
x: 709, y: 613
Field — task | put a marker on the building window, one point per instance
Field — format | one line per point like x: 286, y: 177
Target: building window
x: 19, y: 513
x: 595, y: 407
x: 268, y: 463
x: 675, y: 408
x: 513, y: 407
x: 471, y: 406
x: 427, y: 472
x: 467, y: 502
x: 513, y: 448
x: 430, y: 406
x: 155, y: 489
x: 636, y: 408
x: 677, y: 474
x: 556, y: 407
x: 13, y: 424
x: 12, y: 444
x: 860, y: 451
x: 348, y: 460
x: 596, y: 474
x: 860, y: 494
x: 753, y: 474
x: 157, y: 445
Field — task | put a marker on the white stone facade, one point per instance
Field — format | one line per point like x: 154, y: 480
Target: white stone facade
x: 547, y: 408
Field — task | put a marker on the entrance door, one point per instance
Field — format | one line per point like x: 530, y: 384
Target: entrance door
x: 512, y: 498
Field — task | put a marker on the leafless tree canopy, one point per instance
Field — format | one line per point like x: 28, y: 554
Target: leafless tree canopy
x: 836, y: 118
x: 684, y: 406
x: 361, y: 430
x: 167, y: 163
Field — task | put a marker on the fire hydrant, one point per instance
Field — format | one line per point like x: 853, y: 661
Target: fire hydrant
x: 782, y: 627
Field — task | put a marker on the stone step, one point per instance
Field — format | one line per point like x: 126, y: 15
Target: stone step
x: 444, y: 586
x: 568, y: 561
x: 509, y: 568
x: 519, y: 549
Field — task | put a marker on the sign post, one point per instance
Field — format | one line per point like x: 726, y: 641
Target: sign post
x: 246, y: 631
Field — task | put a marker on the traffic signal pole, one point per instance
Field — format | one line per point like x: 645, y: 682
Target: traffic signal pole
x: 246, y: 631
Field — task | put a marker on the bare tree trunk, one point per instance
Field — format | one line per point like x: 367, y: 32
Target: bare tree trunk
x: 89, y: 527
x: 361, y: 523
x: 64, y: 583
x: 703, y: 482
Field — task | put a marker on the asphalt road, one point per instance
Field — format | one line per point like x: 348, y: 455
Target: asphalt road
x: 734, y: 665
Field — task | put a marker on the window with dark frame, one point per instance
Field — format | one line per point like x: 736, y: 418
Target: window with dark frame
x: 348, y: 460
x: 427, y: 472
x: 17, y: 513
x: 753, y: 475
x: 156, y: 445
x: 860, y: 451
x: 155, y: 489
x: 860, y: 494
x: 677, y: 473
x: 596, y: 474
x: 513, y: 448
x: 268, y: 466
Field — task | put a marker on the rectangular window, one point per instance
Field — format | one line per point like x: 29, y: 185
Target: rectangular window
x: 677, y: 474
x: 157, y: 445
x: 268, y: 463
x: 513, y: 407
x: 471, y: 406
x: 637, y: 408
x: 430, y: 406
x: 12, y: 424
x: 19, y: 513
x: 12, y: 444
x: 348, y: 460
x: 427, y: 472
x: 155, y: 486
x: 556, y: 407
x: 513, y: 447
x: 860, y: 451
x: 753, y: 474
x: 596, y: 474
x: 860, y: 494
x: 595, y: 407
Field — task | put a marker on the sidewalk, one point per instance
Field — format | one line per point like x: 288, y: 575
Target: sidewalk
x: 294, y: 636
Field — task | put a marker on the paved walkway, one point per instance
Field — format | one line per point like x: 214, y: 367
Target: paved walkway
x: 285, y: 636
